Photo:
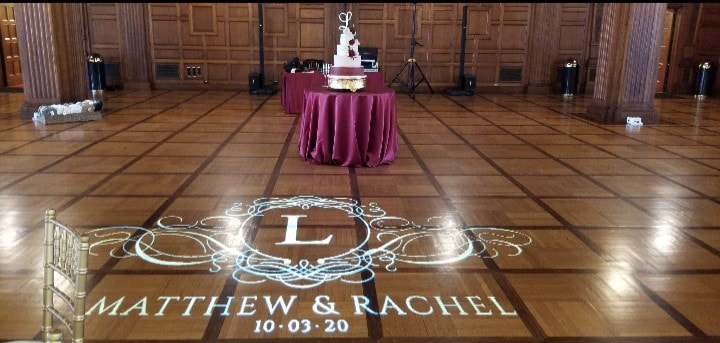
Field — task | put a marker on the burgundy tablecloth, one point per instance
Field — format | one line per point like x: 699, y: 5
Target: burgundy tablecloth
x: 349, y: 129
x: 294, y: 85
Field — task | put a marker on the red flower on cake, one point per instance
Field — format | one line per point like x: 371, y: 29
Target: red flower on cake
x: 351, y: 53
x: 351, y: 42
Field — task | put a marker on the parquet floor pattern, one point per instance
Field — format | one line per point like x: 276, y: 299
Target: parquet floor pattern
x: 623, y: 223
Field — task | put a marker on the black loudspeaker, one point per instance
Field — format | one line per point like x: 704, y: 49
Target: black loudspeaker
x: 368, y: 53
x: 466, y: 82
x: 469, y: 82
x: 254, y: 81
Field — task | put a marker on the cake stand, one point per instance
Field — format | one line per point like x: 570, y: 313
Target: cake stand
x: 353, y: 83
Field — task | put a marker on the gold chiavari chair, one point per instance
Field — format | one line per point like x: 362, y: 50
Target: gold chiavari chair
x: 66, y: 256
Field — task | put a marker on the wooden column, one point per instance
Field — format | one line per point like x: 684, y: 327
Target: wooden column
x: 52, y: 54
x: 628, y: 57
x: 543, y: 47
x: 135, y: 59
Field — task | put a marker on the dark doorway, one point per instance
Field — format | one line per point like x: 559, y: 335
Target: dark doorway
x: 11, y: 72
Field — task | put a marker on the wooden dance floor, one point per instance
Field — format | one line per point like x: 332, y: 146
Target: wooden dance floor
x: 504, y: 218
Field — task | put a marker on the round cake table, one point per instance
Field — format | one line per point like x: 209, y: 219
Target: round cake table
x: 348, y: 129
x: 293, y: 86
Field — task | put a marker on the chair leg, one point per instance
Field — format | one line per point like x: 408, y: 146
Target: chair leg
x: 49, y: 277
x: 81, y: 290
x: 66, y: 251
x: 54, y: 336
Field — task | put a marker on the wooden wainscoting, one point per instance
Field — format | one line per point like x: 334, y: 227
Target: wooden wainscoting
x: 215, y: 45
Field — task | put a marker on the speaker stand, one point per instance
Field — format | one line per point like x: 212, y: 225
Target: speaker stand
x: 410, y: 86
x: 462, y: 87
x: 411, y: 64
x: 261, y: 89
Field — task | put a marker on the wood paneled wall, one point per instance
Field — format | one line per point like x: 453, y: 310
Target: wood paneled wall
x: 104, y: 30
x: 190, y: 43
x: 698, y: 39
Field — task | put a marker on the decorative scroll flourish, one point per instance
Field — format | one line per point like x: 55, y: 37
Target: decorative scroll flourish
x: 226, y: 241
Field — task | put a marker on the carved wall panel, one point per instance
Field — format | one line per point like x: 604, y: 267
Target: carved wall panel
x: 104, y: 30
x: 155, y: 43
x: 496, y: 34
x: 221, y: 39
x: 371, y: 35
x: 299, y: 32
x: 590, y: 72
x: 575, y: 36
x: 544, y: 47
x: 709, y: 30
x: 186, y: 42
x: 203, y: 19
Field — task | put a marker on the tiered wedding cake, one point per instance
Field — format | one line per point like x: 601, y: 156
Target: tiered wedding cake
x: 347, y: 71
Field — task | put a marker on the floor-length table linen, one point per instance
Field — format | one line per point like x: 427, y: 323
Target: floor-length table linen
x: 349, y: 129
x: 293, y: 86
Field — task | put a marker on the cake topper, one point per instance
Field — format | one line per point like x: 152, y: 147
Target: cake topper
x: 345, y: 18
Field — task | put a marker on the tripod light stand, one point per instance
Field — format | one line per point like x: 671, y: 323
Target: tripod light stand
x: 411, y: 65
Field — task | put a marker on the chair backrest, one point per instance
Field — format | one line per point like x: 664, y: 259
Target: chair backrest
x: 66, y: 256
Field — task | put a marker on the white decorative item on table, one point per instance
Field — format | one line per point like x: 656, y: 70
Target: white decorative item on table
x: 69, y: 112
x: 347, y: 71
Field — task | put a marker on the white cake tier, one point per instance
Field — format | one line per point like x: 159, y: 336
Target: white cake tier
x: 344, y: 47
x: 342, y: 50
x: 345, y: 39
x: 346, y: 61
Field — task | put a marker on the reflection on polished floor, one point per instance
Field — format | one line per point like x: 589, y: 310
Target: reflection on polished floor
x: 504, y: 218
